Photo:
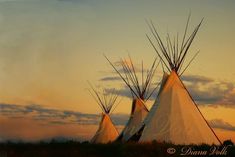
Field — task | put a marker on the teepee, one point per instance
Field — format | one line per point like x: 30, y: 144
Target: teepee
x: 175, y: 117
x: 106, y: 132
x: 141, y: 91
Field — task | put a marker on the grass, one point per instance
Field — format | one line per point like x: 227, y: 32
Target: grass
x: 85, y: 149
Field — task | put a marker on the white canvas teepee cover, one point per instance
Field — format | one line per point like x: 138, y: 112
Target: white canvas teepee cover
x: 106, y: 131
x: 153, y: 108
x: 176, y: 118
x: 135, y: 124
x: 138, y: 114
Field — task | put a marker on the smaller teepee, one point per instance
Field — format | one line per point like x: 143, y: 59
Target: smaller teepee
x: 106, y: 132
x: 141, y: 88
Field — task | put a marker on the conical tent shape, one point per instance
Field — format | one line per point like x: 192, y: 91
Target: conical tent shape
x: 138, y: 114
x: 106, y: 132
x: 176, y: 118
x: 140, y: 127
x: 140, y: 93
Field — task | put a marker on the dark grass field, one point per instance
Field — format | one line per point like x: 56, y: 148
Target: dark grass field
x: 85, y: 149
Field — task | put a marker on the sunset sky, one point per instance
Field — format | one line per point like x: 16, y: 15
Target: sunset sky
x: 50, y: 48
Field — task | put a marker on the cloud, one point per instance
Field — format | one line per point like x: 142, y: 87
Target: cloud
x: 110, y: 78
x: 138, y: 69
x: 141, y: 73
x: 38, y: 112
x: 55, y: 116
x: 58, y: 117
x: 124, y: 91
x: 196, y: 79
x: 120, y: 119
x: 205, y: 90
x: 11, y: 109
x: 220, y: 124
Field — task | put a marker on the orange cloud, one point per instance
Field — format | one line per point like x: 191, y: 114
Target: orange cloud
x: 30, y: 130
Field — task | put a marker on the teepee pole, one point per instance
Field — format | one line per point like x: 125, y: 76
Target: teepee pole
x: 121, y: 77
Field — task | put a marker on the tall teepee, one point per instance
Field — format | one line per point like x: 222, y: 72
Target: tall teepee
x: 106, y: 132
x: 141, y: 91
x: 175, y: 117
